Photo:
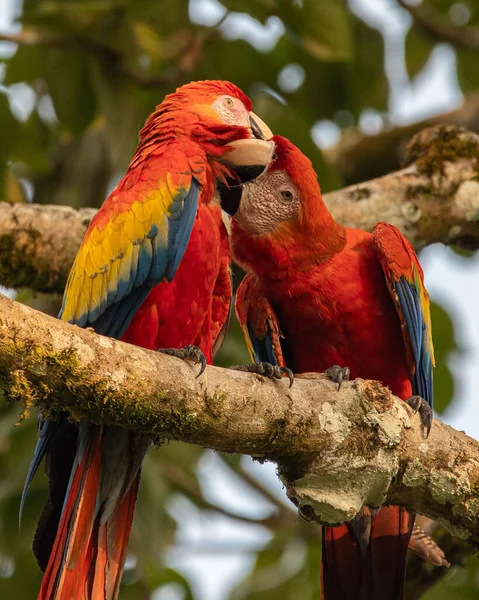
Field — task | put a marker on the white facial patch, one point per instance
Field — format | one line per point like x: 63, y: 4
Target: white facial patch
x: 268, y: 201
x: 232, y: 111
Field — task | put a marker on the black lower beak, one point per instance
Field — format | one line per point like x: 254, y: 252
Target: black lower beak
x: 231, y: 191
x: 255, y: 128
x: 230, y: 197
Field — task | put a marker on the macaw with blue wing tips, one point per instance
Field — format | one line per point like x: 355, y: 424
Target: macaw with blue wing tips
x: 154, y: 271
x: 321, y: 297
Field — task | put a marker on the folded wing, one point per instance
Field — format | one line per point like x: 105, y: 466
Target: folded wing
x: 405, y: 281
x: 136, y: 240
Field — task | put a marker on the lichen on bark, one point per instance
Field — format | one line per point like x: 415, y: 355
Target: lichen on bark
x: 335, y: 450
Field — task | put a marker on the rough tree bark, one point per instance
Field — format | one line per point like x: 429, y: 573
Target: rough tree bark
x: 359, y: 157
x: 38, y: 244
x: 335, y: 450
x: 435, y: 199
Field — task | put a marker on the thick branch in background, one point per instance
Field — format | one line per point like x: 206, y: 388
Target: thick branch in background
x: 436, y: 199
x: 38, y: 244
x: 359, y: 157
x: 335, y: 450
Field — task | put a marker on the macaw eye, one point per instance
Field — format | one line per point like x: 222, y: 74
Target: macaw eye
x: 228, y: 102
x: 287, y: 195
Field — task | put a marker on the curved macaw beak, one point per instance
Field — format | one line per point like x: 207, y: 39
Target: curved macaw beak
x: 230, y: 198
x: 254, y: 151
x: 250, y: 159
x: 259, y: 128
x: 249, y: 152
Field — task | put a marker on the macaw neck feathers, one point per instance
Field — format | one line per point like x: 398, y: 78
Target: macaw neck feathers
x: 291, y: 249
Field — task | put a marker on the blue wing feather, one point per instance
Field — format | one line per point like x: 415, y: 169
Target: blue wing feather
x: 411, y: 306
x: 181, y: 224
x: 404, y: 279
x: 260, y: 323
x: 263, y: 348
x: 152, y: 262
x: 46, y: 433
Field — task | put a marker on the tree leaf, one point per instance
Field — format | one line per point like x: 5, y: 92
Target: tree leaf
x: 26, y: 65
x: 260, y: 10
x: 467, y: 71
x: 14, y: 192
x: 123, y: 113
x: 68, y: 78
x: 164, y: 16
x: 32, y: 138
x: 322, y: 28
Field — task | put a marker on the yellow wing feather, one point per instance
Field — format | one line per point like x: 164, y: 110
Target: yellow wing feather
x: 118, y: 247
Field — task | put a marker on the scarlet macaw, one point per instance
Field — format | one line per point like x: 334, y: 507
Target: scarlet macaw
x: 321, y: 297
x: 152, y: 270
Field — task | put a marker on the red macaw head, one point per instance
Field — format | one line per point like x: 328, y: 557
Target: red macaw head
x: 280, y: 213
x: 217, y: 116
x: 209, y: 110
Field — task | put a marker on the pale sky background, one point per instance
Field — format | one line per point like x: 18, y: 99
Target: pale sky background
x: 215, y: 552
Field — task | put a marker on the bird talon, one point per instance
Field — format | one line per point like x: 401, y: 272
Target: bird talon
x: 190, y: 352
x: 426, y: 415
x: 290, y: 375
x: 414, y: 402
x: 266, y: 369
x: 338, y: 374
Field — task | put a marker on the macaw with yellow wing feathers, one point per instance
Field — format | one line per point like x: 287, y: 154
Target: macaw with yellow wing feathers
x: 321, y: 297
x: 152, y: 270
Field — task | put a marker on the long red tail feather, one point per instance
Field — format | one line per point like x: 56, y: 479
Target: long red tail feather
x: 87, y: 558
x: 377, y: 572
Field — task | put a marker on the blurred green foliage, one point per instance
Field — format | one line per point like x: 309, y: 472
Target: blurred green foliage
x: 456, y: 15
x: 91, y: 71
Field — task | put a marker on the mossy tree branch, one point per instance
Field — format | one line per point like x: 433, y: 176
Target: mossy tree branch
x: 38, y: 244
x: 359, y: 157
x: 335, y: 450
x: 435, y: 199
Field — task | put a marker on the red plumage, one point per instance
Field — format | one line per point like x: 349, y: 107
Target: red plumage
x: 184, y: 311
x: 315, y: 295
x: 153, y: 270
